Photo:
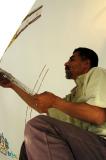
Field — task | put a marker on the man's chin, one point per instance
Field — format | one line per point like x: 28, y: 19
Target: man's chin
x: 68, y: 74
x: 68, y: 77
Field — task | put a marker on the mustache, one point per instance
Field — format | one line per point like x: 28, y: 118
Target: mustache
x: 67, y: 68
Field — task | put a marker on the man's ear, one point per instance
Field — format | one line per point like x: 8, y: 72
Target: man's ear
x: 87, y: 64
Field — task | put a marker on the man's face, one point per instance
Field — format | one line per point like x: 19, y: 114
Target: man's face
x: 75, y: 66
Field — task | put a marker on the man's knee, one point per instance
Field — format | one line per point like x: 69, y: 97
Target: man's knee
x: 36, y: 122
x: 33, y: 120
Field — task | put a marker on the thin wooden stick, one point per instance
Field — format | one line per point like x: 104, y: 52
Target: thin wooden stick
x: 40, y: 86
x: 34, y: 89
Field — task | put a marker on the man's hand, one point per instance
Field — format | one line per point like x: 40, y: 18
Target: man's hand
x: 4, y: 81
x: 44, y: 101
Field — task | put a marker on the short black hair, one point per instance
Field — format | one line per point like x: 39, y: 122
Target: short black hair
x: 86, y: 53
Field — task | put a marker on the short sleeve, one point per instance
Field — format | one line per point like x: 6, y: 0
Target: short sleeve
x: 95, y: 90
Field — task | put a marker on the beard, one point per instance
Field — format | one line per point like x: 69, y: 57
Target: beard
x: 68, y: 74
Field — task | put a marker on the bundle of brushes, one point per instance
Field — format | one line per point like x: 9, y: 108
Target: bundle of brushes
x: 5, y: 77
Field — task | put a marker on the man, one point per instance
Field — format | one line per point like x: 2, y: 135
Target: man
x: 75, y: 127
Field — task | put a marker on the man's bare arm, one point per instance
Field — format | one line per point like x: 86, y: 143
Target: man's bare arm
x: 46, y: 100
x: 82, y: 111
x: 25, y: 95
x: 28, y: 98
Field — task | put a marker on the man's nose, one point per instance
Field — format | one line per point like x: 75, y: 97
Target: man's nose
x: 66, y: 63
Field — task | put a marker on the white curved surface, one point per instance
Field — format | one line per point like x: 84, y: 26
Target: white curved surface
x: 63, y: 26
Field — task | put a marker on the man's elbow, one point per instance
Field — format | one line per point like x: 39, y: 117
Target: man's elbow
x: 100, y: 118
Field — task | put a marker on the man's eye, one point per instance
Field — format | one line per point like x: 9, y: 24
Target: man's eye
x: 71, y: 59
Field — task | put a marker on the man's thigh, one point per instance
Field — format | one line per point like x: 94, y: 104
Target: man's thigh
x: 81, y: 143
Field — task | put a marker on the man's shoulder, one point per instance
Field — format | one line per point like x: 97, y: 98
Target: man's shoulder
x: 96, y: 75
x: 97, y: 70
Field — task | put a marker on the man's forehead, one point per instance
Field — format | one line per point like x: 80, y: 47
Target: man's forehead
x: 75, y: 54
